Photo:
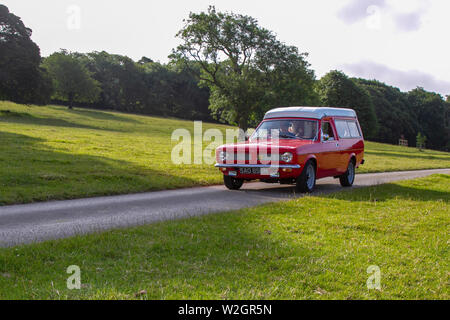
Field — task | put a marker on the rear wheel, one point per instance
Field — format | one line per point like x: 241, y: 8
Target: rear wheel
x: 307, y: 179
x: 348, y: 177
x: 232, y: 183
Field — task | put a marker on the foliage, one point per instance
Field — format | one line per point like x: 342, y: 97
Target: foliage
x: 447, y: 122
x: 335, y: 89
x: 71, y: 79
x: 431, y: 112
x: 393, y: 112
x: 420, y: 141
x: 146, y: 87
x: 21, y: 78
x: 246, y: 68
x: 405, y: 114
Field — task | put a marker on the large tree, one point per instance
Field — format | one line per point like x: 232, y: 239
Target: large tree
x: 71, y: 79
x: 245, y: 67
x: 21, y: 78
x: 335, y: 89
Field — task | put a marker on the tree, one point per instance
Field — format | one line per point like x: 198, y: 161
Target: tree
x: 175, y: 92
x: 108, y: 70
x: 245, y: 67
x: 447, y: 122
x: 394, y: 115
x: 21, y: 78
x: 145, y: 60
x: 431, y: 112
x: 146, y: 86
x: 420, y: 141
x: 71, y: 79
x: 335, y: 89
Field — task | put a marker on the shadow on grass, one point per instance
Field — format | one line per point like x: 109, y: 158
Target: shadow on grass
x: 32, y: 171
x: 26, y: 118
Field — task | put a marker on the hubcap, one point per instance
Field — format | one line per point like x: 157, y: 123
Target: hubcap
x: 310, y: 177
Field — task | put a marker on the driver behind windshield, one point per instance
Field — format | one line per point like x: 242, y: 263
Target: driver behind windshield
x: 287, y: 129
x: 284, y: 128
x: 297, y: 129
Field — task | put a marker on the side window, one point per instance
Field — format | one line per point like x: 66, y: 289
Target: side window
x: 354, y: 130
x: 327, y: 131
x: 342, y: 129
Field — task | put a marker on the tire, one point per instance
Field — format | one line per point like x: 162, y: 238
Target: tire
x: 232, y: 183
x: 307, y: 179
x: 348, y: 177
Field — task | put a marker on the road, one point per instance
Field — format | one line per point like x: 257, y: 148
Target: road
x: 21, y: 224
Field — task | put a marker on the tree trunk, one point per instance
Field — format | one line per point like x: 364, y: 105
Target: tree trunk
x: 243, y: 126
x: 70, y: 101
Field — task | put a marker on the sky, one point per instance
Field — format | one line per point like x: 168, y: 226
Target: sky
x: 403, y: 43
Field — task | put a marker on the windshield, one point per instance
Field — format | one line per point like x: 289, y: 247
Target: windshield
x: 287, y: 129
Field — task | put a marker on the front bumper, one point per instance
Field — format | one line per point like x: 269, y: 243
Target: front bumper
x: 279, y: 172
x: 281, y: 166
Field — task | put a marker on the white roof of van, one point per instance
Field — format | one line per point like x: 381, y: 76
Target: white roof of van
x: 309, y: 112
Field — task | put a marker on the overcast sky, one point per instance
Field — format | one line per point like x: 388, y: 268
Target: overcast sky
x: 401, y: 42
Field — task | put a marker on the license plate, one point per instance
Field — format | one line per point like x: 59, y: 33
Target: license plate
x: 250, y: 170
x: 269, y: 171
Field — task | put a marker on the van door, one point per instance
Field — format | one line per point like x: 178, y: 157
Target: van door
x: 329, y: 159
x: 349, y: 136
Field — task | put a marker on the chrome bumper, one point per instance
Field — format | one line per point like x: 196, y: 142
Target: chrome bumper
x: 236, y: 165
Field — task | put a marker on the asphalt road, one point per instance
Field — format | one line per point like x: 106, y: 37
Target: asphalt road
x: 20, y: 224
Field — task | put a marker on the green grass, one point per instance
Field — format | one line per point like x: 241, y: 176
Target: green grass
x: 54, y: 153
x: 308, y: 248
x: 382, y: 157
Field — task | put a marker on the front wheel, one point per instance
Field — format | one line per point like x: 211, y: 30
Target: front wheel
x: 348, y: 177
x: 307, y: 179
x: 232, y: 183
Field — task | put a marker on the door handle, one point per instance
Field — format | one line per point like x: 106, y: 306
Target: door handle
x: 337, y: 144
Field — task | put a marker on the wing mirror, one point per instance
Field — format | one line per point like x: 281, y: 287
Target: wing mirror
x: 325, y: 137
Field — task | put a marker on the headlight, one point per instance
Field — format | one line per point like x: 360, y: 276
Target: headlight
x: 222, y: 155
x: 286, y: 157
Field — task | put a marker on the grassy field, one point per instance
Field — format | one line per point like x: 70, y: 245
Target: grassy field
x: 54, y: 153
x: 308, y: 248
x: 382, y: 157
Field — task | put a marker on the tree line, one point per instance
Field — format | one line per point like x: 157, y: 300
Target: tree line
x: 227, y: 69
x: 108, y: 81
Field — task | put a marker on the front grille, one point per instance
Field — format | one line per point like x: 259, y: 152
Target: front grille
x: 242, y: 157
x: 253, y: 158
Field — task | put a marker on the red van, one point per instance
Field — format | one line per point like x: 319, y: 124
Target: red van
x: 296, y: 145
